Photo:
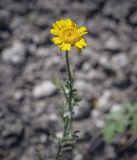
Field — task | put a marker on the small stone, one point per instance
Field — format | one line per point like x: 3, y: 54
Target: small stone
x: 40, y: 124
x: 109, y: 152
x: 12, y: 134
x: 119, y: 60
x: 81, y: 111
x: 104, y: 99
x: 133, y: 19
x: 14, y: 54
x: 123, y: 82
x: 43, y: 138
x: 38, y: 108
x: 112, y: 44
x: 95, y: 113
x: 3, y: 111
x: 43, y: 52
x: 86, y: 67
x: 78, y: 155
x: 18, y: 95
x: 44, y: 89
x: 115, y: 107
x: 53, y: 62
x: 104, y: 61
x: 99, y: 123
x: 81, y: 85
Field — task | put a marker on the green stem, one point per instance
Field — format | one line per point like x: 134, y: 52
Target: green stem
x: 68, y: 66
x: 59, y: 152
x: 68, y: 123
x: 70, y: 80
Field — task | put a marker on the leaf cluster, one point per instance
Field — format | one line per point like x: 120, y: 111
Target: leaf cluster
x: 118, y: 122
x: 71, y: 99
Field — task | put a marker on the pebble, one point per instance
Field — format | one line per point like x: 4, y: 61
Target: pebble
x: 44, y: 89
x: 77, y: 155
x: 81, y: 111
x: 104, y: 61
x: 43, y: 52
x: 12, y: 134
x: 14, y: 54
x: 96, y: 113
x: 18, y: 95
x: 120, y: 60
x: 81, y: 85
x: 99, y: 123
x: 104, y: 99
x: 133, y: 19
x: 109, y: 152
x: 112, y: 44
x: 116, y: 107
x: 43, y: 138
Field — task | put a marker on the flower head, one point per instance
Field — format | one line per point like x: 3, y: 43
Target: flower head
x: 67, y: 34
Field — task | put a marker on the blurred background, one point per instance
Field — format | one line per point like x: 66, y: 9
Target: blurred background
x: 106, y: 76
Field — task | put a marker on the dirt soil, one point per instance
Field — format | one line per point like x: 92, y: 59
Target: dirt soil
x: 106, y: 76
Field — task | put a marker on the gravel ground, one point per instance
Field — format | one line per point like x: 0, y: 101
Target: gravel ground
x: 106, y: 75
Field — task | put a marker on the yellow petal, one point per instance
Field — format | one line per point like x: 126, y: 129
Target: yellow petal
x: 83, y: 42
x: 79, y: 45
x: 56, y: 40
x: 61, y: 46
x: 55, y: 26
x: 65, y: 47
x: 73, y: 24
x: 68, y: 22
x: 68, y: 47
x: 61, y: 24
x: 53, y: 31
x: 83, y: 30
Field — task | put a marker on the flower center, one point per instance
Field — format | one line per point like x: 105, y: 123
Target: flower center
x: 69, y: 35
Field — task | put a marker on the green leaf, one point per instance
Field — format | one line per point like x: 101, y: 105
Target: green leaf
x: 134, y: 125
x: 109, y: 132
x: 117, y: 122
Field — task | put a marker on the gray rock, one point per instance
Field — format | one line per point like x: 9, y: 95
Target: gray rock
x: 133, y: 18
x: 96, y: 114
x: 12, y: 134
x: 3, y: 112
x: 43, y: 52
x: 99, y: 123
x: 103, y: 101
x: 82, y: 86
x: 45, y: 122
x: 104, y: 61
x: 113, y: 9
x: 44, y: 89
x: 109, y: 152
x: 14, y: 54
x: 112, y: 44
x: 77, y: 155
x: 116, y: 107
x: 120, y: 60
x: 18, y: 95
x: 82, y: 111
x: 43, y: 138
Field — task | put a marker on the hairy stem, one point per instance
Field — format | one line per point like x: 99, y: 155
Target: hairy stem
x: 70, y: 80
x: 68, y: 122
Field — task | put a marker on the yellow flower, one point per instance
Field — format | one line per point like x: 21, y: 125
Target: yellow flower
x: 67, y: 34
